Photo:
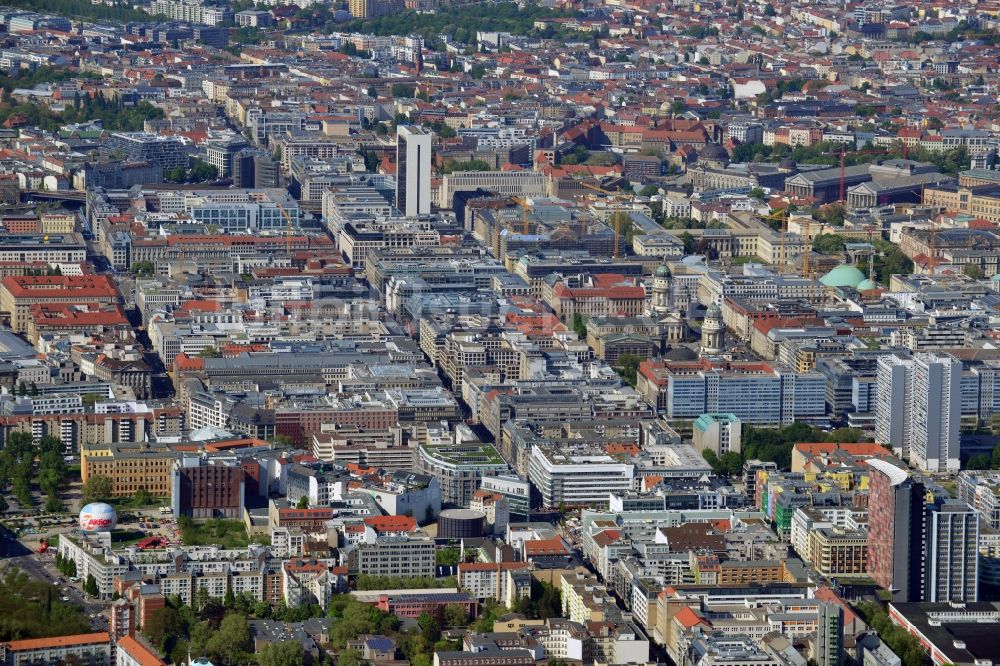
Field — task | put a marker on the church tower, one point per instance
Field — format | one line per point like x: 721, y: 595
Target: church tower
x: 661, y: 304
x: 713, y: 331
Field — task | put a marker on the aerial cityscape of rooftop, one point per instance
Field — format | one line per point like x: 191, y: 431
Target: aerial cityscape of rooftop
x: 499, y: 333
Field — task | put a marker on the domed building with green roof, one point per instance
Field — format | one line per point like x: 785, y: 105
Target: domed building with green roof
x: 844, y: 275
x: 867, y: 285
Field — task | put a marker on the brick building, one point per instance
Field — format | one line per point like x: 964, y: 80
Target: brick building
x: 208, y: 491
x: 415, y: 605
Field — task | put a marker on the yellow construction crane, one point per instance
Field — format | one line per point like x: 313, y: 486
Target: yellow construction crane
x: 806, y: 251
x: 523, y: 203
x: 617, y: 221
x: 288, y: 230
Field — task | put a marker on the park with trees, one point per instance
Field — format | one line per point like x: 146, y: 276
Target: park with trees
x: 220, y: 629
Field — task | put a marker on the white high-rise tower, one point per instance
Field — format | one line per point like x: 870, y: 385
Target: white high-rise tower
x: 413, y: 170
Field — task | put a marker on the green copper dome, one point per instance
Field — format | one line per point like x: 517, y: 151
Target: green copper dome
x: 843, y: 276
x: 866, y: 284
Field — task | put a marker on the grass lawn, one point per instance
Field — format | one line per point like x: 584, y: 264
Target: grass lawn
x: 215, y: 532
x: 130, y: 503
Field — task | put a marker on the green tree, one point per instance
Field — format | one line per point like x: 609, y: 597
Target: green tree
x: 203, y: 171
x: 90, y: 586
x: 455, y: 615
x: 828, y: 244
x: 284, y: 653
x: 688, y: 241
x: 448, y: 557
x: 979, y: 461
x: 649, y: 190
x: 97, y: 489
x: 164, y: 625
x: 973, y: 271
x: 579, y: 325
x: 344, y: 658
x: 471, y: 165
x: 303, y: 502
x: 403, y: 90
x: 627, y: 366
x: 143, y: 268
x: 142, y: 497
x: 430, y: 628
x: 232, y: 642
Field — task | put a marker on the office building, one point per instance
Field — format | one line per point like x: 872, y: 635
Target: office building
x: 719, y: 432
x: 895, y: 530
x: 508, y: 183
x: 580, y: 475
x: 459, y: 468
x: 951, y: 556
x: 413, y: 170
x: 515, y: 490
x: 50, y: 248
x: 221, y: 154
x: 755, y: 392
x: 407, y: 556
x: 207, y: 491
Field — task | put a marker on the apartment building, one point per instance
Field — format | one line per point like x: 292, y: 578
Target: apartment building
x: 918, y: 409
x: 493, y: 580
x: 130, y: 652
x: 839, y: 553
x: 86, y: 649
x: 167, y: 151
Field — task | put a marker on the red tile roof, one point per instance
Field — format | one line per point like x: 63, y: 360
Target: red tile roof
x: 58, y: 641
x: 139, y: 652
x: 391, y: 523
